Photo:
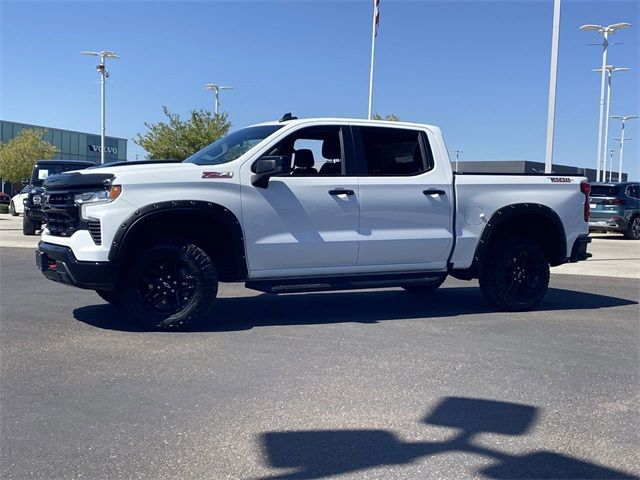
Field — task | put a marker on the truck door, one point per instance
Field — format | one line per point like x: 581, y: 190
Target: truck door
x: 304, y: 222
x: 405, y: 199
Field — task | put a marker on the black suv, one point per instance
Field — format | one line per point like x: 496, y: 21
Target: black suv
x: 615, y: 207
x: 33, y: 219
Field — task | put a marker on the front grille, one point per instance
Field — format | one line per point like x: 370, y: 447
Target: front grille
x: 95, y: 231
x: 60, y: 213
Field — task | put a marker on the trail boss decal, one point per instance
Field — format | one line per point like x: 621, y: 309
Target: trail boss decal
x: 217, y: 174
x: 560, y: 179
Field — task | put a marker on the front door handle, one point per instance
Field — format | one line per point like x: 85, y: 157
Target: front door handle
x: 434, y: 191
x: 341, y: 191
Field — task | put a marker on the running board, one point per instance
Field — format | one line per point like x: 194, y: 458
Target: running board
x: 351, y: 282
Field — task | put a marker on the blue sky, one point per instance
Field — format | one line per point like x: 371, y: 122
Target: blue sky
x: 478, y: 69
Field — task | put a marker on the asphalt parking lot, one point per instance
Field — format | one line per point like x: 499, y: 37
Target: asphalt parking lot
x: 370, y: 384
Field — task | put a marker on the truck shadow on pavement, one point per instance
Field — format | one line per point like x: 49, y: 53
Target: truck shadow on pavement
x: 322, y: 453
x: 244, y: 313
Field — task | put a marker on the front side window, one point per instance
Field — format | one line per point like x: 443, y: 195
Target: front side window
x: 314, y: 151
x: 232, y: 146
x: 392, y: 151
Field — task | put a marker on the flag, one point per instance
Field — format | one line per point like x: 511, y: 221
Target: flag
x: 376, y: 15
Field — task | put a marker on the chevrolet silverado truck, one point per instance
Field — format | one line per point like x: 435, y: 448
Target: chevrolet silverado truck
x: 302, y: 205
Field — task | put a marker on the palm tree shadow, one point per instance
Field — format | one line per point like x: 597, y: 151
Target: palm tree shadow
x: 320, y: 454
x: 244, y: 313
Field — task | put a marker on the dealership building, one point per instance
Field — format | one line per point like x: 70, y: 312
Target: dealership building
x: 70, y: 145
x: 525, y: 166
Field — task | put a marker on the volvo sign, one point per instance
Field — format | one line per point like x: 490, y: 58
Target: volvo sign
x: 98, y: 148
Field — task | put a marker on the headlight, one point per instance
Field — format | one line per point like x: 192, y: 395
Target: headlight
x: 101, y: 196
x: 36, y: 199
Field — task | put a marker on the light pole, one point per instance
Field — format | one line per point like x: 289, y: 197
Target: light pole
x: 611, y: 150
x: 553, y: 82
x: 216, y: 89
x: 104, y: 74
x: 623, y: 119
x: 609, y: 69
x: 457, y: 152
x: 604, y: 31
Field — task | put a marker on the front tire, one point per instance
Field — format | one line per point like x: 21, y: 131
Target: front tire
x: 515, y: 276
x: 171, y: 285
x: 633, y: 230
x: 28, y: 227
x: 12, y: 209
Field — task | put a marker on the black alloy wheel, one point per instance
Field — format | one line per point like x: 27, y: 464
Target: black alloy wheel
x: 171, y: 285
x: 167, y: 285
x: 515, y: 276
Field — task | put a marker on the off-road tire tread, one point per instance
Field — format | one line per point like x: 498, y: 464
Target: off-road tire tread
x: 490, y: 281
x: 207, y: 290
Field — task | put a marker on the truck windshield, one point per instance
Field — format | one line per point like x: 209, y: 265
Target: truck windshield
x: 231, y: 146
x: 41, y: 172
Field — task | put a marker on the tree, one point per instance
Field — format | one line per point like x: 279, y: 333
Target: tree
x: 392, y: 117
x: 177, y: 139
x: 19, y: 154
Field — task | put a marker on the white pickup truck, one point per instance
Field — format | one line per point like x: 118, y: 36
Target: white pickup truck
x: 307, y: 205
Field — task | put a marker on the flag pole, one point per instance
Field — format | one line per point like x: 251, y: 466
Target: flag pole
x: 373, y: 50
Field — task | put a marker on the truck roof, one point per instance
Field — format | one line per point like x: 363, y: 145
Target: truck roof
x: 342, y: 120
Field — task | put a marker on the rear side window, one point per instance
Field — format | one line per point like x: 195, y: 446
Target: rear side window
x: 604, y: 190
x: 633, y: 191
x: 394, y: 151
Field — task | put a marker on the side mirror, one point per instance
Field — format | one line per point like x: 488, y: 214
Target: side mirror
x: 25, y: 182
x: 269, y: 166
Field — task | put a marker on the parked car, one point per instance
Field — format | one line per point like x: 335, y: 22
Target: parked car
x: 4, y: 198
x: 32, y: 219
x: 615, y: 207
x: 305, y: 205
x: 16, y: 207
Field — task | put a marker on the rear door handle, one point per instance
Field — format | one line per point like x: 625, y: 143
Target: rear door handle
x: 341, y: 191
x: 434, y: 191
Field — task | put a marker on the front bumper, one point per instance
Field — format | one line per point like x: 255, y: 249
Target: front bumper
x: 579, y: 250
x: 58, y: 263
x: 34, y: 214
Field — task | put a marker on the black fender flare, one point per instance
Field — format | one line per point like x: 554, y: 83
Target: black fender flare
x: 212, y: 210
x: 507, y: 213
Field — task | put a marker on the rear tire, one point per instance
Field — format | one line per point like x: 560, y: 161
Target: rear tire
x: 28, y: 227
x: 425, y: 287
x: 515, y: 276
x: 171, y: 286
x: 12, y: 209
x: 633, y: 230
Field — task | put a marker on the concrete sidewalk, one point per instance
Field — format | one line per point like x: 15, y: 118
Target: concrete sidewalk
x: 613, y: 255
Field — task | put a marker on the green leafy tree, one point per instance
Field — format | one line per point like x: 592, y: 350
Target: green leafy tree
x: 176, y: 139
x: 18, y: 155
x: 392, y: 117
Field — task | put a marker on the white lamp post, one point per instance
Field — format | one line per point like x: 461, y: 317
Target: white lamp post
x: 609, y: 70
x: 623, y: 119
x: 104, y: 74
x: 216, y: 89
x: 604, y: 31
x: 553, y: 82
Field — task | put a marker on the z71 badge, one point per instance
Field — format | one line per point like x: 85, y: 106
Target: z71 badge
x: 217, y: 174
